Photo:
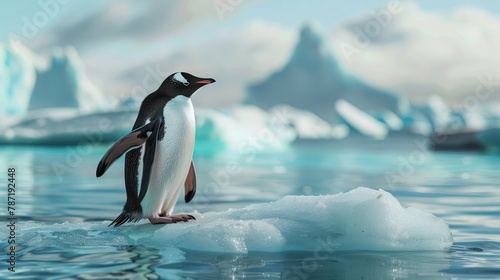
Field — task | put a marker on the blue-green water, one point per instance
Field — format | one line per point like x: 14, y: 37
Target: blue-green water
x: 58, y: 184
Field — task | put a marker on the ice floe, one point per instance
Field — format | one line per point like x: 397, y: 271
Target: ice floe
x: 361, y: 219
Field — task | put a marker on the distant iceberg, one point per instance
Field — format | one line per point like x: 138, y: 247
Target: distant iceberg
x: 323, y: 96
x: 312, y: 80
x: 32, y: 82
x: 361, y: 219
x: 238, y: 128
x: 49, y: 100
x: 65, y: 84
x: 360, y: 121
x: 17, y: 78
x: 306, y: 124
x: 67, y: 127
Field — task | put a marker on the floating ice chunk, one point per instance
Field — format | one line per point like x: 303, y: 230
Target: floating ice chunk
x: 474, y: 120
x: 307, y: 124
x: 416, y: 122
x: 391, y: 120
x: 360, y: 120
x: 235, y: 127
x: 438, y: 113
x: 361, y: 219
x: 67, y: 126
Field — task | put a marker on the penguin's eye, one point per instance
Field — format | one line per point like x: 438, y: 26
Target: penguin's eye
x: 186, y: 83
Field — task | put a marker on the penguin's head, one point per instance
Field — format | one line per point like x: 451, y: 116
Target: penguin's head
x: 182, y: 83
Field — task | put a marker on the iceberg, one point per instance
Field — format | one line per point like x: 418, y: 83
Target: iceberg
x: 313, y: 80
x: 468, y: 129
x: 416, y: 122
x: 438, y: 113
x: 65, y: 84
x: 232, y: 129
x: 30, y: 82
x: 67, y: 126
x: 308, y: 125
x: 240, y: 127
x: 17, y: 78
x: 361, y: 121
x: 361, y: 219
x: 389, y: 119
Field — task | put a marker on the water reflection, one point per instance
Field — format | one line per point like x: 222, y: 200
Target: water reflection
x: 323, y: 265
x: 93, y: 262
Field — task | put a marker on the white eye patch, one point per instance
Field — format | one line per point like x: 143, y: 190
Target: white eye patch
x: 178, y: 77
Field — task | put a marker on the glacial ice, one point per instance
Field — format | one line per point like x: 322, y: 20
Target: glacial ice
x: 361, y: 219
x: 215, y: 130
x: 67, y: 126
x: 313, y: 80
x: 360, y: 121
x: 17, y: 78
x: 50, y: 100
x: 31, y: 82
x: 237, y: 126
x: 306, y: 124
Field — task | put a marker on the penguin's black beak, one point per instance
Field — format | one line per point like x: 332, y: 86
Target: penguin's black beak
x: 205, y: 81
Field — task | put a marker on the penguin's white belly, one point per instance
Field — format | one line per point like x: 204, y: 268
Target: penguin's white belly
x: 172, y: 158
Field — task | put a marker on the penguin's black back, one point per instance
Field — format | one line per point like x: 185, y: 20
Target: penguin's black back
x: 151, y: 108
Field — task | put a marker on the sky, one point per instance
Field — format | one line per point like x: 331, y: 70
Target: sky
x: 284, y: 12
x: 119, y: 40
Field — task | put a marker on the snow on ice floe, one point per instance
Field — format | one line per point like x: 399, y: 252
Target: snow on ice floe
x: 361, y: 219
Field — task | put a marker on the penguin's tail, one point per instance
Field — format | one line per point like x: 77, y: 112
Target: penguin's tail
x: 132, y: 212
x: 126, y: 217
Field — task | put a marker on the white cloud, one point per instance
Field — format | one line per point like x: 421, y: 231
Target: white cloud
x: 128, y: 20
x: 419, y: 54
x: 235, y: 59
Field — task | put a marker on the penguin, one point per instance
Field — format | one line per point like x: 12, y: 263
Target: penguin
x: 159, y: 151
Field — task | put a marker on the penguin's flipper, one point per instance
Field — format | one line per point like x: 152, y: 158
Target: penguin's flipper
x: 190, y: 184
x: 149, y: 157
x: 134, y: 139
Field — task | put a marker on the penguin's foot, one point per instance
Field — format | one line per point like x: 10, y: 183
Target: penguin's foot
x: 182, y: 217
x: 170, y: 219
